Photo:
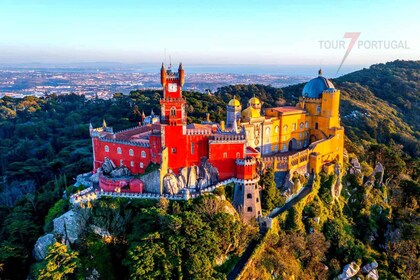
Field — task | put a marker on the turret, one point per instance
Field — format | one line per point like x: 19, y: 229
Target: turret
x: 181, y: 74
x: 143, y: 116
x: 163, y: 75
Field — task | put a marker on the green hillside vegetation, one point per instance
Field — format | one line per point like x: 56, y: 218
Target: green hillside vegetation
x: 385, y: 99
x: 45, y: 144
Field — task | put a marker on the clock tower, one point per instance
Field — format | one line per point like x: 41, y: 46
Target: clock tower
x: 172, y: 103
x: 173, y: 117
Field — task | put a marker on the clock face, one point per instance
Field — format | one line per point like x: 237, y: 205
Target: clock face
x: 172, y: 87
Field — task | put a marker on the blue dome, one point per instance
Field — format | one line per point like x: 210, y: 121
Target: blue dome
x: 315, y: 87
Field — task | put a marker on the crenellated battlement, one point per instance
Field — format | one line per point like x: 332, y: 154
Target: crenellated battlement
x: 246, y: 161
x: 199, y: 132
x: 170, y: 99
x: 310, y: 99
x: 228, y: 138
x: 144, y: 143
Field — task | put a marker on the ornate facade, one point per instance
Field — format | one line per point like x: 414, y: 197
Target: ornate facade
x: 307, y: 136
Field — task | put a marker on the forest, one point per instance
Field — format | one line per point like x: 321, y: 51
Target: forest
x: 45, y: 144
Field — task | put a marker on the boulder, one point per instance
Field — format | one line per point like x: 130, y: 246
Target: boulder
x: 69, y: 225
x: 170, y: 183
x: 349, y: 271
x: 41, y: 246
x: 371, y: 266
x: 378, y: 173
x: 356, y: 168
x: 100, y: 231
x: 373, y: 274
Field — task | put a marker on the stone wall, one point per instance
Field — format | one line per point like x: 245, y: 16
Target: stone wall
x: 151, y: 182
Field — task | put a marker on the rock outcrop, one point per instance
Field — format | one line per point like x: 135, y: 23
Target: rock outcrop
x: 110, y: 169
x: 337, y: 187
x: 373, y: 274
x: 41, y: 246
x: 369, y: 267
x: 378, y: 174
x: 69, y: 225
x: 356, y: 168
x: 151, y: 182
x: 197, y: 177
x: 349, y: 271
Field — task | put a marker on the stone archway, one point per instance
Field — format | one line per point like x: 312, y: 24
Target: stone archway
x: 293, y: 144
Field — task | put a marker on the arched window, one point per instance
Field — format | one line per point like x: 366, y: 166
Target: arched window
x: 107, y: 149
x: 249, y: 195
x: 131, y: 152
x: 258, y: 200
x: 301, y: 125
x: 316, y: 125
x: 276, y: 129
x: 318, y: 109
x: 249, y: 209
x: 132, y: 163
x: 119, y: 151
x: 143, y: 154
x: 285, y: 128
x: 141, y: 164
x: 306, y: 124
x: 294, y: 127
x: 224, y: 155
x: 238, y: 155
x: 173, y: 111
x: 267, y: 131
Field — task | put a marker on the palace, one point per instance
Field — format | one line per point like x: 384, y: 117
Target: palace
x: 306, y: 138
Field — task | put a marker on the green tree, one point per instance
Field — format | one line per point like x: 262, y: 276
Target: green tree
x: 60, y: 263
x: 147, y: 259
x: 270, y: 194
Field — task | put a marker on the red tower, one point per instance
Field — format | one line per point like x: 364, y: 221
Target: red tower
x: 172, y: 103
x: 173, y: 117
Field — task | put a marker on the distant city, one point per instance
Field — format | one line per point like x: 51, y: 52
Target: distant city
x: 103, y: 82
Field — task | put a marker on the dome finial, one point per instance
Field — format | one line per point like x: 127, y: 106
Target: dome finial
x: 320, y: 72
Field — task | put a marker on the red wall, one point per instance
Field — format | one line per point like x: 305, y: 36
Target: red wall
x: 166, y: 111
x: 201, y: 149
x: 176, y: 143
x: 125, y: 185
x: 176, y: 94
x: 246, y: 172
x: 155, y: 148
x: 226, y: 165
x: 100, y: 154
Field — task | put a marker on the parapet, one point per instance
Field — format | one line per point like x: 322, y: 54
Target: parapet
x: 226, y: 138
x: 246, y: 161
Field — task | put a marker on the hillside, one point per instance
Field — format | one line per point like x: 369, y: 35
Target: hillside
x: 45, y: 144
x: 379, y: 104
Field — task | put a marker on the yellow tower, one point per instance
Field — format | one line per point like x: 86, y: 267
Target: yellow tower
x: 322, y: 101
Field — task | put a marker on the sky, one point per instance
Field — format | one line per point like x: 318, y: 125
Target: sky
x: 207, y: 32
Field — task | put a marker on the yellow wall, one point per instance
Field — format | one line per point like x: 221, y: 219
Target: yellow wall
x: 321, y: 120
x: 288, y: 134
